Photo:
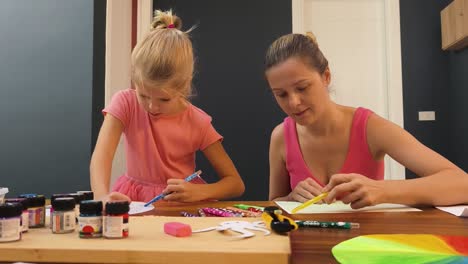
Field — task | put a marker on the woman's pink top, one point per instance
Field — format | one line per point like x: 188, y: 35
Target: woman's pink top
x: 358, y: 159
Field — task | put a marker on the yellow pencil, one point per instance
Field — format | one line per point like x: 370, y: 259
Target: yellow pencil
x: 311, y: 201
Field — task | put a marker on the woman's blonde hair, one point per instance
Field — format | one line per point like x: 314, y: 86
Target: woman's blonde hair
x: 302, y: 46
x: 164, y: 56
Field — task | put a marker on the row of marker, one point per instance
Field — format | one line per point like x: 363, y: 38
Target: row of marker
x: 238, y: 210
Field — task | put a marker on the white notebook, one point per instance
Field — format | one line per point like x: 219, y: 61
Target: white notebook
x: 339, y: 207
x: 458, y: 210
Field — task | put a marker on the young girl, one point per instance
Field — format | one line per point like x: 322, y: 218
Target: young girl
x: 162, y: 129
x: 325, y: 147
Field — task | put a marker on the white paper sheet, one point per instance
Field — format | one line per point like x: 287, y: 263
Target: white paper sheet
x: 458, y: 210
x: 138, y: 207
x: 340, y: 207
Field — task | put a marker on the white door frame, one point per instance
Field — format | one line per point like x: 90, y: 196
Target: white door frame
x: 393, y: 58
x: 118, y: 53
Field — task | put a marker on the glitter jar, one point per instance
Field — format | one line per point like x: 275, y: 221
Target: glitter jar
x: 36, y: 209
x: 115, y: 223
x: 90, y: 219
x: 24, y: 213
x: 63, y: 215
x: 10, y: 222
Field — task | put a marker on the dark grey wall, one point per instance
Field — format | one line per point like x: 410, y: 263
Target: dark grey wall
x: 46, y: 67
x: 230, y: 42
x: 433, y: 80
x: 458, y: 98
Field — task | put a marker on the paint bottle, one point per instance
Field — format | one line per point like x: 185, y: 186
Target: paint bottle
x: 90, y: 219
x: 88, y: 195
x: 10, y: 222
x: 52, y: 198
x: 116, y: 219
x: 36, y: 209
x: 24, y: 213
x: 78, y: 198
x: 63, y: 215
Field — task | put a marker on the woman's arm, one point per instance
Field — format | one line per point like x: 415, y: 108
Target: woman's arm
x: 280, y: 186
x: 279, y: 178
x: 441, y: 182
x: 103, y: 155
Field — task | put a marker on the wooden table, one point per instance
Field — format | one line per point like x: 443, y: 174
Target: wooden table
x: 314, y: 245
x: 306, y: 245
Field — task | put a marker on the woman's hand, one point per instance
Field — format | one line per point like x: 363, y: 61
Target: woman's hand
x: 179, y: 190
x: 354, y: 189
x: 305, y: 190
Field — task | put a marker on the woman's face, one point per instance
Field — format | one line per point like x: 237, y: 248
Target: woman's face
x: 159, y: 101
x: 300, y: 91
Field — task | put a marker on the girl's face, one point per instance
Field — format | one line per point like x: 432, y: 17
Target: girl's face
x: 160, y: 101
x: 300, y: 91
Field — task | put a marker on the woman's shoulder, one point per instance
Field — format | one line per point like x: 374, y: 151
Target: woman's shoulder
x: 278, y: 131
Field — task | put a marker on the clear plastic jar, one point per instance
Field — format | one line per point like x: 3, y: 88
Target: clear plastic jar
x: 116, y: 219
x: 90, y: 219
x: 63, y: 215
x: 10, y: 222
x: 24, y: 213
x: 36, y: 209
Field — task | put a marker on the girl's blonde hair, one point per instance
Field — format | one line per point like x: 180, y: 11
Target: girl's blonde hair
x: 164, y: 56
x: 302, y: 46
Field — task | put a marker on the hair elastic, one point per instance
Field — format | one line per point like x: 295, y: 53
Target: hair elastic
x: 171, y: 26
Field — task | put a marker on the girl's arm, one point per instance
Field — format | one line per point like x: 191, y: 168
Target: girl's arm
x: 230, y: 185
x: 103, y: 155
x: 279, y: 179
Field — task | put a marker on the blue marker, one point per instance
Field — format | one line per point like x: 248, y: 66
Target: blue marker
x: 162, y: 195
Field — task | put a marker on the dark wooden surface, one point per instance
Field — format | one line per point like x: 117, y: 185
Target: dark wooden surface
x: 313, y: 245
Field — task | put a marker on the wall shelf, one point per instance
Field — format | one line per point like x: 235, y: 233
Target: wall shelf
x: 454, y: 25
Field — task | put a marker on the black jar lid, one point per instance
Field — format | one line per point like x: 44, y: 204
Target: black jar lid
x: 58, y: 195
x: 23, y: 201
x: 91, y: 207
x: 88, y: 195
x: 63, y: 204
x: 11, y: 210
x: 78, y: 197
x: 35, y: 200
x: 117, y: 207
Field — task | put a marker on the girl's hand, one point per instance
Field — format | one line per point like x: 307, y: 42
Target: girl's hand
x: 178, y: 190
x: 354, y: 189
x: 115, y: 196
x: 305, y: 190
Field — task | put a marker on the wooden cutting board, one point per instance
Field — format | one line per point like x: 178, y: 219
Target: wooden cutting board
x: 147, y: 243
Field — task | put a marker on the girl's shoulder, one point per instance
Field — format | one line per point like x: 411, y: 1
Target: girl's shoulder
x: 198, y: 115
x: 126, y: 95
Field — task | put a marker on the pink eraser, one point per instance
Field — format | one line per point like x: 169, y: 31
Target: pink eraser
x: 177, y: 229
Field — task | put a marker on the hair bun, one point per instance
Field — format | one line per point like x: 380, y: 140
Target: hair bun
x: 312, y: 37
x: 165, y: 19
